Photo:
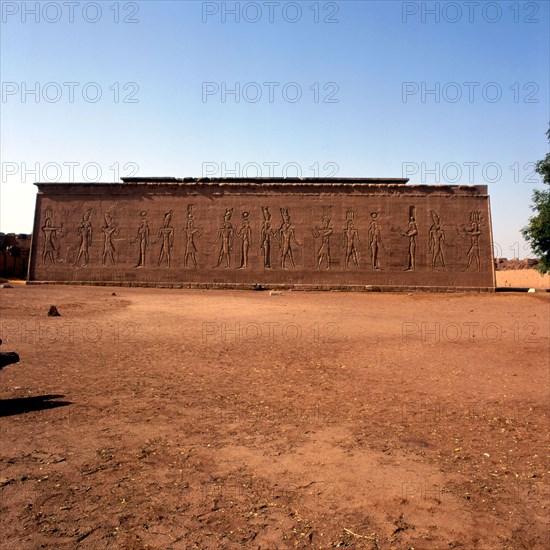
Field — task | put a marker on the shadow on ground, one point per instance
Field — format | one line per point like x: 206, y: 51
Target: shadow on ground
x: 20, y: 405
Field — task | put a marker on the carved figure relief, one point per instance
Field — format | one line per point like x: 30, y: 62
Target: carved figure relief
x: 436, y: 241
x: 267, y: 234
x: 52, y: 246
x: 191, y: 232
x: 350, y: 237
x: 143, y: 238
x: 84, y: 231
x: 375, y: 241
x: 324, y: 232
x: 245, y: 233
x: 287, y: 238
x: 225, y: 237
x: 474, y: 232
x: 411, y: 234
x: 166, y: 235
x: 109, y: 231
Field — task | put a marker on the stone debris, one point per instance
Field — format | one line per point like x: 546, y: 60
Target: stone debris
x: 8, y: 358
x: 53, y: 312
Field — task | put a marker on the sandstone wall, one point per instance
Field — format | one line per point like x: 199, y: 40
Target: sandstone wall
x: 231, y: 234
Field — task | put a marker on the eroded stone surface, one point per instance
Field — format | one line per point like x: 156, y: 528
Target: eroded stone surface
x: 319, y: 234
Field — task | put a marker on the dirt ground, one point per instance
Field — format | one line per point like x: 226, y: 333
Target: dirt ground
x: 219, y: 419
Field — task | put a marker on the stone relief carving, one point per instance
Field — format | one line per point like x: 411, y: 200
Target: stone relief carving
x: 166, y: 235
x: 85, y: 233
x: 267, y: 234
x: 143, y: 238
x: 109, y: 231
x: 52, y: 246
x: 245, y: 233
x: 375, y: 241
x: 287, y: 238
x: 80, y: 253
x: 474, y: 232
x: 225, y: 237
x: 436, y: 241
x: 191, y: 232
x: 350, y: 238
x: 324, y: 232
x: 411, y: 234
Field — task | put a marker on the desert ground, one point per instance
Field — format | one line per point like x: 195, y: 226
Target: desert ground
x: 145, y: 418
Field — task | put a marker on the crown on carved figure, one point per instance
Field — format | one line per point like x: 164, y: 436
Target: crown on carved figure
x: 475, y: 216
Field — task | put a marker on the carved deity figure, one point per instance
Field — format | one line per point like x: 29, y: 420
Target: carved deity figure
x: 350, y: 237
x: 166, y: 234
x: 324, y: 232
x: 266, y: 235
x: 411, y: 234
x: 143, y: 238
x: 287, y: 237
x: 225, y: 236
x: 436, y: 241
x: 245, y: 233
x: 109, y: 232
x: 375, y: 240
x: 84, y: 231
x: 51, y: 240
x: 191, y: 232
x: 474, y: 232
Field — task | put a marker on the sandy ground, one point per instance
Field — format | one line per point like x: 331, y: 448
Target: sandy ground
x: 522, y: 278
x: 217, y: 419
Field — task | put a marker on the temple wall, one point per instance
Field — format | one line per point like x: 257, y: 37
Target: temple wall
x: 330, y: 236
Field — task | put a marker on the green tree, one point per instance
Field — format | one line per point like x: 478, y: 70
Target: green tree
x: 537, y: 231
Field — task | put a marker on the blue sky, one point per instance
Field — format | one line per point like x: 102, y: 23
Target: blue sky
x: 361, y: 68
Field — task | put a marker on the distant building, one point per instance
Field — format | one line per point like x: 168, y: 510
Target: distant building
x: 14, y: 255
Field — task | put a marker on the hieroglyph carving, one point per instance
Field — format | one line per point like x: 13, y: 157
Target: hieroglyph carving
x: 436, y: 241
x: 109, y: 231
x: 287, y: 238
x: 324, y: 232
x: 143, y: 238
x: 245, y: 233
x: 411, y: 234
x: 375, y: 240
x: 266, y: 236
x: 85, y: 232
x: 166, y: 235
x: 350, y: 238
x: 225, y: 238
x: 474, y: 232
x: 191, y: 232
x: 52, y: 246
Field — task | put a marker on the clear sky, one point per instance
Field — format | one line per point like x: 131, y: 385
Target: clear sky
x: 440, y: 92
